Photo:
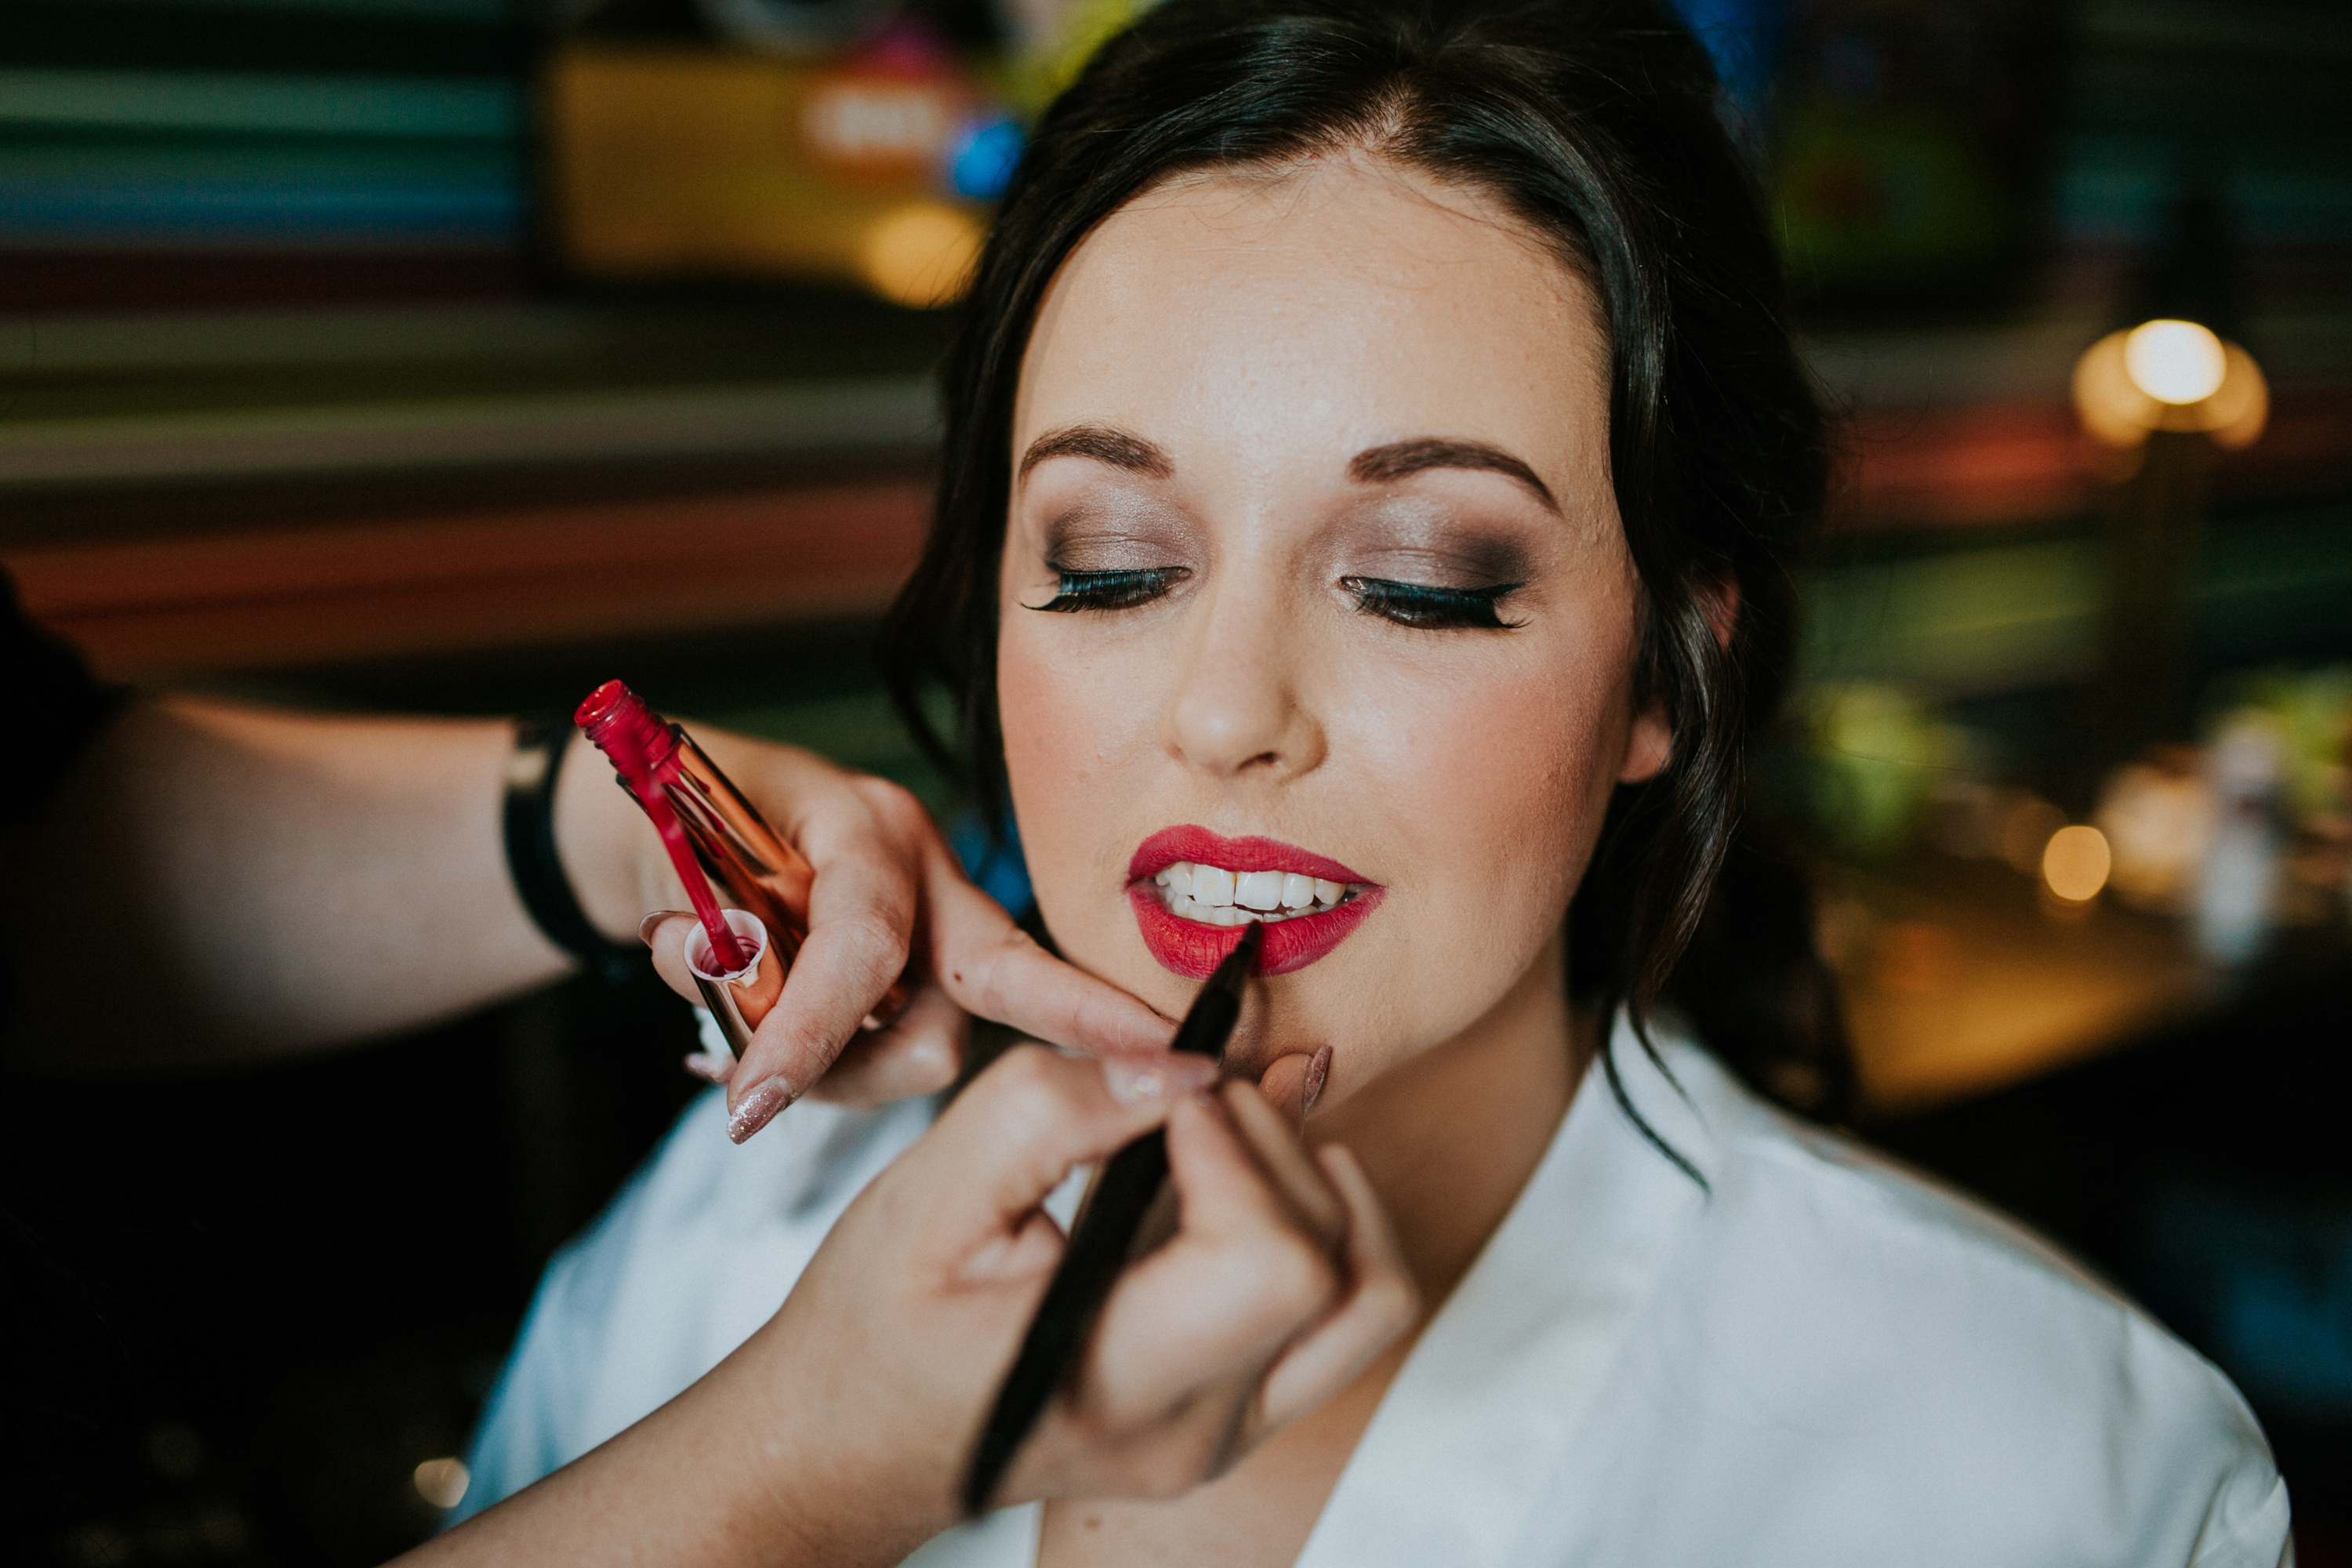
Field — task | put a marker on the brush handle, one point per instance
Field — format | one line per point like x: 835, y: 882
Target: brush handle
x: 1100, y: 1245
x: 1057, y: 1341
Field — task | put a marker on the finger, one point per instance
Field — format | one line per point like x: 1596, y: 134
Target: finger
x: 1291, y: 1084
x: 1238, y: 1282
x: 991, y: 967
x: 1172, y: 1385
x: 1381, y: 1303
x: 861, y: 919
x: 1021, y: 1127
x: 665, y: 932
x: 1274, y: 1142
x: 920, y: 1053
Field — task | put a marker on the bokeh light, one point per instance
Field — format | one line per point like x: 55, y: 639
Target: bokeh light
x: 921, y: 253
x: 2170, y: 376
x: 2175, y: 362
x: 2075, y: 863
x: 442, y: 1482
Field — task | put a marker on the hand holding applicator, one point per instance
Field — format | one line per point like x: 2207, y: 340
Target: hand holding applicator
x: 738, y: 957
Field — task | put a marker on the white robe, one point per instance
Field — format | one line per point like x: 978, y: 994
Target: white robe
x: 1827, y: 1360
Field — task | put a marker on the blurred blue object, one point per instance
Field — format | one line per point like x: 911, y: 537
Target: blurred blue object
x: 1743, y: 38
x: 994, y: 861
x: 982, y: 161
x: 2262, y: 1284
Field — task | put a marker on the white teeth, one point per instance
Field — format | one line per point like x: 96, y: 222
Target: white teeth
x: 1258, y: 889
x: 1216, y: 896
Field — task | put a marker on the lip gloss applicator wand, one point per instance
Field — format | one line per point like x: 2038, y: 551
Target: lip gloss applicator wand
x: 712, y: 833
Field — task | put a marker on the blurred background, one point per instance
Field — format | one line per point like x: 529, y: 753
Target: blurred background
x: 455, y: 355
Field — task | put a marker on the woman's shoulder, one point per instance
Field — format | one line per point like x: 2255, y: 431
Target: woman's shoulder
x: 1928, y: 1334
x: 1900, y: 1261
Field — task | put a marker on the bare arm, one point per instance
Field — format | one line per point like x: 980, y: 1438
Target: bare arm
x: 274, y: 881
x: 241, y: 882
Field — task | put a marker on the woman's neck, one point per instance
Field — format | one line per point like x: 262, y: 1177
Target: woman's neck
x: 1450, y: 1137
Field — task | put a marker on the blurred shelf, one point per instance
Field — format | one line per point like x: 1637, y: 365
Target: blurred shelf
x: 158, y: 608
x: 453, y: 432
x: 1959, y: 982
x: 216, y: 491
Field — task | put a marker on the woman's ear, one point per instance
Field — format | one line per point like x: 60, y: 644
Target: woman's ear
x: 1652, y: 742
x: 1719, y: 602
x: 1650, y: 745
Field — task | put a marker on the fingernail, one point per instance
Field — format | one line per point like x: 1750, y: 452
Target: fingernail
x: 645, y: 926
x: 759, y: 1108
x: 710, y: 1067
x: 1317, y: 1069
x: 1130, y: 1080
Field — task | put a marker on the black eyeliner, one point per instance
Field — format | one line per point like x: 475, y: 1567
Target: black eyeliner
x: 1426, y: 605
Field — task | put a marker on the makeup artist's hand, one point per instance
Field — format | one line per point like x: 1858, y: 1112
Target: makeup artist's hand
x: 888, y: 889
x: 837, y: 1434
x: 1280, y: 1283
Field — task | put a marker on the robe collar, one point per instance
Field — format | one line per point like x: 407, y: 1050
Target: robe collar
x: 1486, y: 1411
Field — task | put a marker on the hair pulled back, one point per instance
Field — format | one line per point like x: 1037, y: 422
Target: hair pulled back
x: 1595, y: 121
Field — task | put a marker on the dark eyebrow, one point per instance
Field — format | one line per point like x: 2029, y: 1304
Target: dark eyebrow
x: 1104, y: 445
x: 1398, y: 459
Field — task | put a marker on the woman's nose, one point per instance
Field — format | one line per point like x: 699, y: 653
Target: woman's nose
x: 1235, y: 708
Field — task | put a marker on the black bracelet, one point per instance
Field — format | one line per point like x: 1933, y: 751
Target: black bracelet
x: 537, y: 869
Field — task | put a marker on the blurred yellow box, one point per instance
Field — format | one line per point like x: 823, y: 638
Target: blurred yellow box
x: 678, y: 161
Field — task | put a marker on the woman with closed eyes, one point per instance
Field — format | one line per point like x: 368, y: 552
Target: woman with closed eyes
x: 1374, y: 456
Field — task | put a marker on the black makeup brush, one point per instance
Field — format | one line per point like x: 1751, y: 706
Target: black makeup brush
x: 1099, y: 1243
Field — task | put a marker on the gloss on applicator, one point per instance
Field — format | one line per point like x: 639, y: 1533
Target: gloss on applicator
x: 712, y: 834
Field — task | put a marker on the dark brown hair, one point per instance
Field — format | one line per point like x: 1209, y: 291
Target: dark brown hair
x: 1595, y: 121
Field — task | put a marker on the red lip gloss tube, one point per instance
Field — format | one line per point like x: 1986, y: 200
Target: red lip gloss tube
x: 760, y: 872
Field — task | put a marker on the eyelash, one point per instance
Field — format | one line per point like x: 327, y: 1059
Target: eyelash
x: 1108, y: 590
x: 1406, y: 604
x: 1420, y: 605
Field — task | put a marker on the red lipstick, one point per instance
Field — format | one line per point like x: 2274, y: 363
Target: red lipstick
x: 1169, y: 845
x: 1193, y: 949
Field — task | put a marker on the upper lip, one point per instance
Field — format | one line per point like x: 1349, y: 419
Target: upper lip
x: 1201, y: 847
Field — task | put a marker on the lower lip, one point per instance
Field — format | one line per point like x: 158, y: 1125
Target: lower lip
x: 1193, y: 949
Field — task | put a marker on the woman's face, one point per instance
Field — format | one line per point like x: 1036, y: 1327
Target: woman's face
x: 1315, y: 599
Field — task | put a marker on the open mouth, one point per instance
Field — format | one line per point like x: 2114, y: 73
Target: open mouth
x: 1193, y: 890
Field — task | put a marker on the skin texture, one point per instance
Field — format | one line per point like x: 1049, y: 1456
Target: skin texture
x: 1226, y: 347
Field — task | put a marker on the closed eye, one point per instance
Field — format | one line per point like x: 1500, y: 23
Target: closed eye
x: 1119, y: 590
x: 1422, y: 604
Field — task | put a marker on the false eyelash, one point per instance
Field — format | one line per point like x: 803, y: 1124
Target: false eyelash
x: 1420, y: 604
x: 1109, y: 590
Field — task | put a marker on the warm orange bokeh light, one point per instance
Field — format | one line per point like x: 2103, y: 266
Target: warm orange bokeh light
x: 2170, y: 376
x: 2075, y: 863
x: 921, y: 253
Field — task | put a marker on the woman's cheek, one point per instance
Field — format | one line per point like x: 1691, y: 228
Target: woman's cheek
x: 1064, y: 732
